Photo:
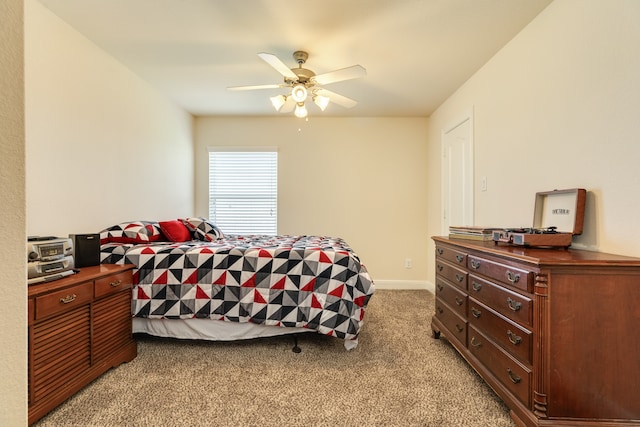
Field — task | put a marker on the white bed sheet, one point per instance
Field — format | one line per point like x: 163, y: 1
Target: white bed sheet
x: 212, y: 330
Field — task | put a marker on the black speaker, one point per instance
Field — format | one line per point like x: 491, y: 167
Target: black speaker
x: 86, y: 249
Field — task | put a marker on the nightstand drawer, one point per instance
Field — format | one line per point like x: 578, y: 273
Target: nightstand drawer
x: 114, y: 283
x: 63, y: 300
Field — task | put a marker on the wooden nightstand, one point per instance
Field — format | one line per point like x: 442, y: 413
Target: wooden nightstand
x: 79, y: 327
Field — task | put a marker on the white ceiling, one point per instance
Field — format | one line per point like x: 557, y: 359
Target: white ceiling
x: 416, y: 52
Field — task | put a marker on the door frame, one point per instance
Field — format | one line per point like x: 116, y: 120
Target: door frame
x: 444, y: 178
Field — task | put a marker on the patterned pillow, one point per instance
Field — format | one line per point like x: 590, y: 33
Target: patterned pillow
x: 203, y: 229
x: 132, y: 232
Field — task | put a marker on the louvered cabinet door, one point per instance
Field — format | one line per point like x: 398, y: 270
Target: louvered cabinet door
x: 111, y: 325
x: 61, y: 352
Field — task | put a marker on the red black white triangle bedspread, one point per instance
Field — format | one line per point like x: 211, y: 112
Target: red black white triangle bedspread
x: 309, y: 282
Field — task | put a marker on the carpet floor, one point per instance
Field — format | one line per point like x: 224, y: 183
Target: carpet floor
x: 397, y: 376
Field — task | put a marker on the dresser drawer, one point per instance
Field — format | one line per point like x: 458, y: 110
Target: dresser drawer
x: 453, y: 274
x: 515, y: 376
x: 516, y: 277
x: 456, y: 257
x: 455, y: 298
x: 112, y: 284
x: 510, y: 336
x: 63, y: 300
x: 513, y: 305
x: 452, y: 321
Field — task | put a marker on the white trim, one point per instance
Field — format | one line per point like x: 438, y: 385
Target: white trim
x: 405, y: 284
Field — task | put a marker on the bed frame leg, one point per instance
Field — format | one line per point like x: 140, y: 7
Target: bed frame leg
x: 295, y: 348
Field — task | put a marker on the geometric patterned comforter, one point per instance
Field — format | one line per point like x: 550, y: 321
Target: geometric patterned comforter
x: 290, y: 281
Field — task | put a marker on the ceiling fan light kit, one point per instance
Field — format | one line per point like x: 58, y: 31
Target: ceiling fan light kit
x: 278, y: 101
x: 299, y: 93
x: 305, y: 83
x: 301, y: 110
x: 321, y: 101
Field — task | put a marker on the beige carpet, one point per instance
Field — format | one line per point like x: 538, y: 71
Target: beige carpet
x: 397, y: 376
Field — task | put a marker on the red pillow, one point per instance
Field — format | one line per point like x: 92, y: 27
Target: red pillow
x: 175, y: 230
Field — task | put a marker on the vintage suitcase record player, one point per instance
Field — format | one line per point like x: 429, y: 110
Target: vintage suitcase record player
x: 558, y: 216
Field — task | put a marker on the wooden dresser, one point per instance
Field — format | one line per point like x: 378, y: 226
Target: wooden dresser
x: 554, y: 332
x: 79, y: 327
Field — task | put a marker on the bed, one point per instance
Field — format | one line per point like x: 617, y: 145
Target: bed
x: 192, y: 281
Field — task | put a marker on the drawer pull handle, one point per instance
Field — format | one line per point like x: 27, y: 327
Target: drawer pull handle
x: 513, y: 277
x: 440, y: 267
x: 476, y: 286
x: 459, y: 328
x: 514, y: 305
x: 440, y: 287
x: 475, y: 343
x: 439, y: 309
x: 514, y: 378
x: 515, y: 339
x: 459, y: 277
x: 475, y: 312
x: 460, y: 258
x: 116, y: 283
x: 68, y: 299
x: 440, y: 251
x: 475, y: 264
x: 459, y: 301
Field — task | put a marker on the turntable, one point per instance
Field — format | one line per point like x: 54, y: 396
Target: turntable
x: 558, y: 216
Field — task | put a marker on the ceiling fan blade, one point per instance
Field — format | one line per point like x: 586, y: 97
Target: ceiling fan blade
x: 278, y: 65
x: 353, y: 72
x: 337, y: 98
x: 255, y: 87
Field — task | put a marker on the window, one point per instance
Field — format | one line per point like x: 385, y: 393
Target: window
x: 243, y: 190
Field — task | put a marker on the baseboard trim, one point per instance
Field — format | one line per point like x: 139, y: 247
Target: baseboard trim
x: 405, y: 284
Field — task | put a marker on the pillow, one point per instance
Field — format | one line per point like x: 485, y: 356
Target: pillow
x: 203, y: 229
x: 175, y: 230
x: 132, y: 232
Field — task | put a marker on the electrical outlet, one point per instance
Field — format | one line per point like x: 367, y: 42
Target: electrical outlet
x: 407, y: 263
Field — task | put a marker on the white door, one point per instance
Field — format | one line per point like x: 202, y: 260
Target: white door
x: 457, y: 175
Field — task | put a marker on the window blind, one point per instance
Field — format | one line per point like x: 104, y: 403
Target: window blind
x: 243, y: 191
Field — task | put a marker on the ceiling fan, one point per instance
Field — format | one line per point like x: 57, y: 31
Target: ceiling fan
x: 305, y: 84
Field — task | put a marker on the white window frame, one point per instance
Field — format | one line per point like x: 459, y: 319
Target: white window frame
x: 243, y: 197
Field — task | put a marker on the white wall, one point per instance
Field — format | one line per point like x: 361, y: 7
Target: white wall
x: 103, y: 146
x: 557, y: 108
x: 362, y: 179
x: 13, y: 316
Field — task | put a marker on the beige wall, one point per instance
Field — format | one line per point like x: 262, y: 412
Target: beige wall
x: 362, y: 179
x: 557, y: 108
x: 13, y: 318
x: 102, y: 145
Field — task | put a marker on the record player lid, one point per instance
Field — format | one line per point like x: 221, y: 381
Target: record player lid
x: 563, y: 209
